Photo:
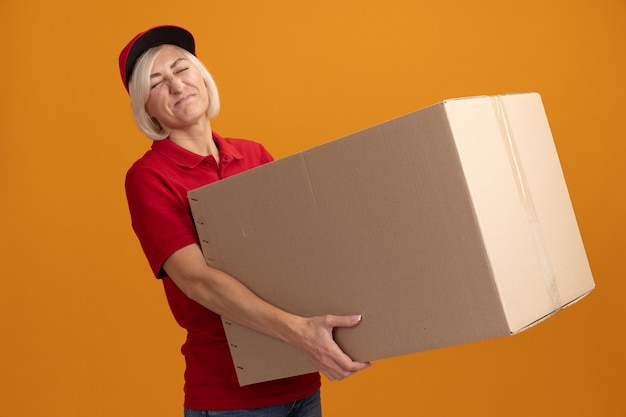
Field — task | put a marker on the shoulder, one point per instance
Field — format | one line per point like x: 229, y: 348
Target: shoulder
x: 148, y: 161
x: 149, y: 170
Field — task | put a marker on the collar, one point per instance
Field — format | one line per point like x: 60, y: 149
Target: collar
x: 187, y: 159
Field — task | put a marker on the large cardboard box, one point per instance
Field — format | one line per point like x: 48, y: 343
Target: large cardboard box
x: 447, y: 225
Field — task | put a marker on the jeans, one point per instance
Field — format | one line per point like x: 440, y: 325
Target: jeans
x: 307, y: 407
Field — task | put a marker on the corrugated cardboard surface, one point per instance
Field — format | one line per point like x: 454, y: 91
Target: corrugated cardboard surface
x: 386, y: 223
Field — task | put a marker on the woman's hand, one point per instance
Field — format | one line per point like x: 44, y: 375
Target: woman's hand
x: 314, y: 337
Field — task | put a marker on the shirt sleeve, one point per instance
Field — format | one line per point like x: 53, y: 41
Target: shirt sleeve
x: 160, y: 219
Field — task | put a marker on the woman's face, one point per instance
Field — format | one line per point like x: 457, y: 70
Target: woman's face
x: 178, y: 96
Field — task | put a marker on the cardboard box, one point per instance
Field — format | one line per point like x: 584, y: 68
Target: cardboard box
x: 447, y: 225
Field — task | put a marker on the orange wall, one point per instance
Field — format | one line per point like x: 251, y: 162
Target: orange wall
x: 85, y: 327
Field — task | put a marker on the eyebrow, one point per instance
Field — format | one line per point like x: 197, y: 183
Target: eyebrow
x: 158, y: 74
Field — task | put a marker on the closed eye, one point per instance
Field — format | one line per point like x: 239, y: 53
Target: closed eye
x: 173, y: 67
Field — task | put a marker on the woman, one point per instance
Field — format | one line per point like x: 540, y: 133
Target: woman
x: 173, y: 99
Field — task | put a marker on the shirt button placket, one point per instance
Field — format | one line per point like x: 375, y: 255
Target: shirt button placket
x: 224, y: 160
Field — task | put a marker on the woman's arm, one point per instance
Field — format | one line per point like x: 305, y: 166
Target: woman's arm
x: 226, y: 296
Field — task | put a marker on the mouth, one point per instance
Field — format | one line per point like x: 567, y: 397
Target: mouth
x: 184, y: 99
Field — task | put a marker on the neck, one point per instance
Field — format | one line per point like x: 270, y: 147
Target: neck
x: 198, y: 139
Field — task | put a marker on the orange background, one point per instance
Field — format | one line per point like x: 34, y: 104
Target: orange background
x: 86, y: 329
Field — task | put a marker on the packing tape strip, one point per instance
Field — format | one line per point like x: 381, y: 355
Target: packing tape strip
x: 549, y: 278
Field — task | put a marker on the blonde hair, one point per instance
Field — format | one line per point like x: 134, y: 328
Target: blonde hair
x: 139, y: 90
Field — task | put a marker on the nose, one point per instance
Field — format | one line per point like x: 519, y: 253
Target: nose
x: 176, y: 85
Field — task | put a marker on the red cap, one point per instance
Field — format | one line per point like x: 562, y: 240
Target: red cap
x: 160, y: 35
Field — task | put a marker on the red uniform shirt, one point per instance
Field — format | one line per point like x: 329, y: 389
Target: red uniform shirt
x: 156, y: 189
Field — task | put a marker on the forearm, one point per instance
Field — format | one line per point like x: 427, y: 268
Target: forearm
x: 226, y: 296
